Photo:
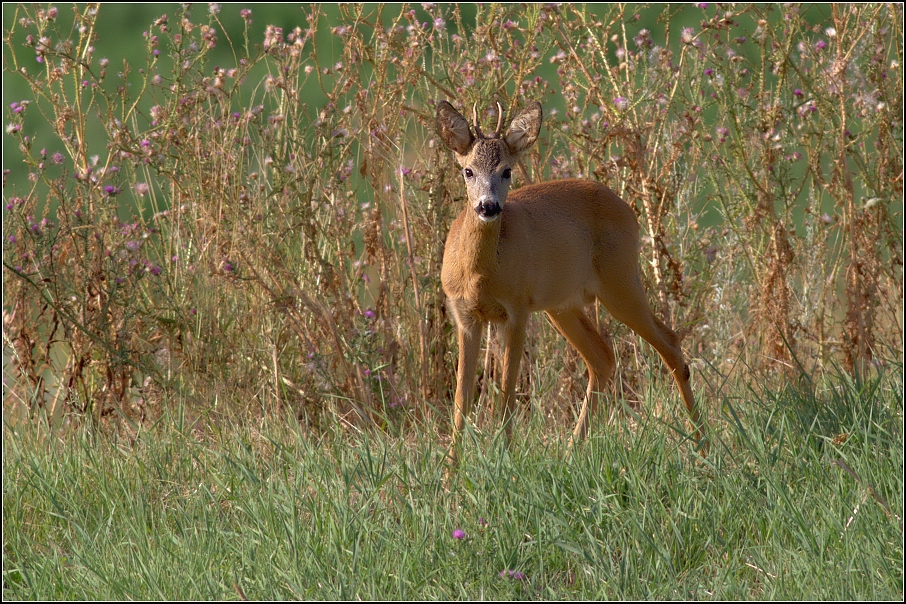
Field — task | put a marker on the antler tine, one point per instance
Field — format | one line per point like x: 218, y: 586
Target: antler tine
x: 475, y: 121
x: 499, y: 119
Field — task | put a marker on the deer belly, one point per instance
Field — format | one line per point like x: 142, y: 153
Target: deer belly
x: 564, y: 293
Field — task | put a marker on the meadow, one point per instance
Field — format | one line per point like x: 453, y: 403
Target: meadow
x: 227, y: 364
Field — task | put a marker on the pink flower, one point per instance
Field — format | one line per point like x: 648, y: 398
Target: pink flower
x: 459, y: 534
x: 273, y: 36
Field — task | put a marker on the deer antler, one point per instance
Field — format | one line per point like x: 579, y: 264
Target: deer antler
x: 478, y: 133
x: 499, y: 119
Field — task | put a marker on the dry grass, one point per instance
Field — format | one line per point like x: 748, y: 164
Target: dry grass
x: 267, y: 235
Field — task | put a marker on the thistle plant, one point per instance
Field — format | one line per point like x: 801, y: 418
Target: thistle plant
x: 266, y: 233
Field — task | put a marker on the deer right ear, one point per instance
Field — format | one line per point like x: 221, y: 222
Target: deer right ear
x: 524, y: 129
x: 453, y: 128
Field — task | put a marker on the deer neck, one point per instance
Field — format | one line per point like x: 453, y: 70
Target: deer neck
x: 478, y: 244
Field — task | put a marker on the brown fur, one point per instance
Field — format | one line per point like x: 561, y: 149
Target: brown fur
x: 555, y: 247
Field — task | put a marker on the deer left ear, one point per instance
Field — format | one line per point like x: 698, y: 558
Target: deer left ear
x: 524, y: 129
x: 453, y: 128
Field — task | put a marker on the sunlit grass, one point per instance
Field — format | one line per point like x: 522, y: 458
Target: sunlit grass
x: 787, y: 506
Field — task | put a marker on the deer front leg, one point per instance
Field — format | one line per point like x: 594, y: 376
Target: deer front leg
x: 468, y: 333
x: 513, y: 334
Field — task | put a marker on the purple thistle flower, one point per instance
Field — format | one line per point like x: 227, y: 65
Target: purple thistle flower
x: 513, y: 574
x: 820, y: 44
x: 459, y: 534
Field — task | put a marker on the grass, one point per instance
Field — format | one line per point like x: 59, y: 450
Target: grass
x: 800, y: 498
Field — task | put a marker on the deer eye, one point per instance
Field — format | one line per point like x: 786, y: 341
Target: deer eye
x: 468, y: 173
x: 507, y: 174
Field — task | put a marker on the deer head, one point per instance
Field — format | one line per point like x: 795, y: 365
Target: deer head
x: 487, y: 160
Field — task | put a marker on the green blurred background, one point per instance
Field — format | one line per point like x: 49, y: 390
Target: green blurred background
x: 120, y: 29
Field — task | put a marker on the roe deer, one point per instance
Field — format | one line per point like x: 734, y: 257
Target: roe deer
x: 553, y: 246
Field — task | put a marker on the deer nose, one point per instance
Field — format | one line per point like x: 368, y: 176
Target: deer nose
x: 488, y: 209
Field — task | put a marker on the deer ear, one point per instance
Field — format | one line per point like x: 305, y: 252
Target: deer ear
x: 453, y: 128
x: 524, y: 129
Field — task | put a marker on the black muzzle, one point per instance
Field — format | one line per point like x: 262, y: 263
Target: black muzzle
x: 488, y: 210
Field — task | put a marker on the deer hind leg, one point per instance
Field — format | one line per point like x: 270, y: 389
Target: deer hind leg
x: 469, y: 337
x: 629, y: 305
x: 597, y: 352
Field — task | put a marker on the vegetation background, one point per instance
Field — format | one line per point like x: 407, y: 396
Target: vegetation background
x: 222, y: 235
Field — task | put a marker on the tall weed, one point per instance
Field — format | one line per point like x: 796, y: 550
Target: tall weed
x: 268, y: 234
